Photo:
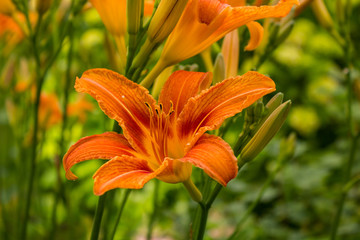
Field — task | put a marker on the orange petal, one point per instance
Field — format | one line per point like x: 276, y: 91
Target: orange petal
x: 113, y: 14
x: 242, y: 15
x: 148, y: 7
x: 256, y: 35
x: 230, y: 51
x: 181, y: 86
x: 11, y: 29
x: 122, y: 100
x: 211, y: 107
x: 190, y: 36
x: 215, y: 157
x: 124, y: 172
x: 236, y: 3
x: 102, y: 146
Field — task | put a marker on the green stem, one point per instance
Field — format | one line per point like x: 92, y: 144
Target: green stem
x: 204, y: 208
x: 351, y: 183
x: 192, y: 190
x: 32, y: 170
x: 122, y: 206
x: 131, y: 53
x: 41, y: 78
x: 101, y: 203
x: 343, y: 195
x: 353, y: 136
x: 204, y: 212
x: 60, y: 191
x: 98, y: 216
x: 267, y: 183
x: 149, y: 79
x: 140, y: 60
x: 155, y: 210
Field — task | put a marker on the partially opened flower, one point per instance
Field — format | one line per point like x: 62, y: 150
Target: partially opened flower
x: 203, y: 22
x: 163, y: 140
x: 113, y: 15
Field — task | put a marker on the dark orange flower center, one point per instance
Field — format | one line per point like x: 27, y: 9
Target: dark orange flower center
x: 210, y: 9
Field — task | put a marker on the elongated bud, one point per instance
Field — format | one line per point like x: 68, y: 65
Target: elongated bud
x: 206, y: 57
x: 160, y: 81
x: 357, y: 88
x: 287, y: 146
x: 300, y: 8
x: 165, y: 19
x: 230, y: 51
x: 134, y: 11
x: 7, y: 7
x: 43, y: 5
x: 273, y: 32
x: 284, y: 32
x: 219, y: 69
x: 274, y: 102
x: 163, y: 22
x: 266, y: 132
x: 322, y: 14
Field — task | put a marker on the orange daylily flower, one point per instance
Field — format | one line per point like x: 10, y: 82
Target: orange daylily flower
x: 49, y: 110
x: 203, y: 22
x: 10, y: 29
x: 80, y: 108
x: 163, y: 140
x: 206, y: 21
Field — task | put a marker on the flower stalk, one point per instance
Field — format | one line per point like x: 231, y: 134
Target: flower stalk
x: 194, y: 192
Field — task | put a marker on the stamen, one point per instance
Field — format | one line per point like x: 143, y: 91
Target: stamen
x: 159, y: 130
x: 152, y: 132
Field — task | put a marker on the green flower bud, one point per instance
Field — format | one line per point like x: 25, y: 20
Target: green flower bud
x: 165, y: 19
x: 274, y: 102
x: 266, y: 132
x: 219, y: 69
x: 134, y: 11
x: 287, y: 146
x: 322, y: 14
x: 284, y: 32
